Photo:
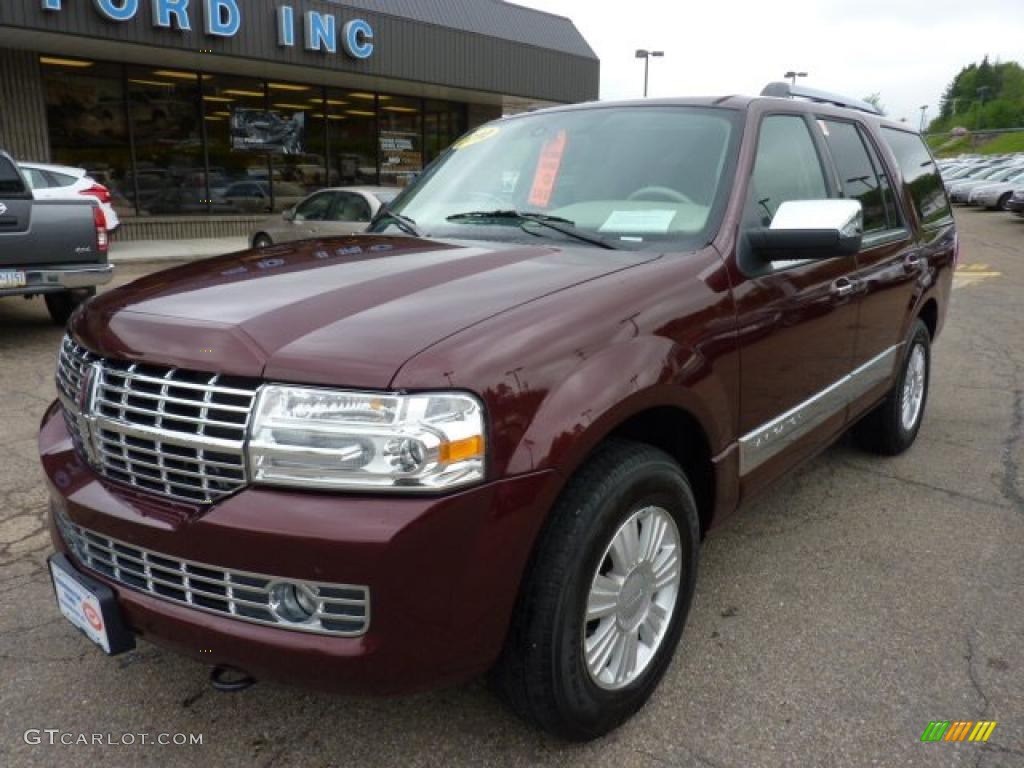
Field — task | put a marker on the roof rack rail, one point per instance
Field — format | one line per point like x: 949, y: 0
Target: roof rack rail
x: 788, y: 91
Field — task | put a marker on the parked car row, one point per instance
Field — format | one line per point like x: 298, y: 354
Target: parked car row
x: 993, y: 182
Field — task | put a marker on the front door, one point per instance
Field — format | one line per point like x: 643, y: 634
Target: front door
x: 309, y: 216
x: 350, y: 215
x: 797, y: 319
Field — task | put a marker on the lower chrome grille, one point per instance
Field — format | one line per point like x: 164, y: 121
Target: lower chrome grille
x: 176, y: 433
x: 341, y: 609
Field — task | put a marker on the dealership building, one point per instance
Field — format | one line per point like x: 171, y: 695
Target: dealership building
x: 201, y: 116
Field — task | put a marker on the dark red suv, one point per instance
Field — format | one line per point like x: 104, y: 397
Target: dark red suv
x: 492, y: 434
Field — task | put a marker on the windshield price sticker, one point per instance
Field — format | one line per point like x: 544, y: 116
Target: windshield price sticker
x: 548, y: 165
x: 639, y: 222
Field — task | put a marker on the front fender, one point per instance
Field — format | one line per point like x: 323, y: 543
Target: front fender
x: 619, y: 381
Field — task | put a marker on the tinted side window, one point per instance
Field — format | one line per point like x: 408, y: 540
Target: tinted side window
x: 36, y: 179
x: 857, y: 174
x: 351, y: 207
x: 11, y: 183
x: 60, y: 179
x: 884, y: 182
x: 921, y: 176
x: 315, y: 208
x: 787, y: 168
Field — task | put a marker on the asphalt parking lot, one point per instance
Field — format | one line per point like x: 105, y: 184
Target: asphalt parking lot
x: 859, y: 600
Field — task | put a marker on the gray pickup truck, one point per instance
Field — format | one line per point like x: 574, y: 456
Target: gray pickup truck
x: 53, y: 248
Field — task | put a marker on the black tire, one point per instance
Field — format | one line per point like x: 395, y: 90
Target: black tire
x: 1004, y: 202
x: 542, y: 673
x: 262, y: 240
x: 883, y: 430
x: 62, y: 305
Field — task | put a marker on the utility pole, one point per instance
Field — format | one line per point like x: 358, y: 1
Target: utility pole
x: 793, y: 75
x: 982, y: 92
x: 646, y: 56
x: 924, y: 111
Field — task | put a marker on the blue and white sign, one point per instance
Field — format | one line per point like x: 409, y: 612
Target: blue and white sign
x: 316, y: 31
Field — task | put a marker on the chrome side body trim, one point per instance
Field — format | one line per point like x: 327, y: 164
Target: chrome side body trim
x: 769, y: 440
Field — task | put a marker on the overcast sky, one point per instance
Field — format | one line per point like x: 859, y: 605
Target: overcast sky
x: 907, y: 50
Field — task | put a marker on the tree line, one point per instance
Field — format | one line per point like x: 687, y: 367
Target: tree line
x: 983, y: 96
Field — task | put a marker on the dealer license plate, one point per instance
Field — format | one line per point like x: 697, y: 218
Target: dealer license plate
x: 12, y: 278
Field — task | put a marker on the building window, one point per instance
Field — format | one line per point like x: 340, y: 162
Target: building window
x: 298, y: 161
x: 352, y: 137
x: 170, y: 175
x: 239, y: 163
x: 177, y: 142
x: 85, y: 112
x: 443, y: 123
x: 401, y: 140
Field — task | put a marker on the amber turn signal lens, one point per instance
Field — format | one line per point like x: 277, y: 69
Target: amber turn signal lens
x: 460, y: 450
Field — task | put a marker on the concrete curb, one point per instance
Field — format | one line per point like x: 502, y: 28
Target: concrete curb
x: 140, y: 251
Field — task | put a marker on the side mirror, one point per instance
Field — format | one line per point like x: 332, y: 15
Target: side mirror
x: 288, y: 214
x: 811, y: 229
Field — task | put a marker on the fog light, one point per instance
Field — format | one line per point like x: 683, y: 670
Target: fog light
x: 294, y: 603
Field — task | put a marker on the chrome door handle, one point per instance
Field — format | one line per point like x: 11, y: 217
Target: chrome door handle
x: 843, y: 287
x: 913, y: 262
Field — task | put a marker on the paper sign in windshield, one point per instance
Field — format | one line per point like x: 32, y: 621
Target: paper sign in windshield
x: 639, y: 222
x: 481, y: 134
x: 548, y: 165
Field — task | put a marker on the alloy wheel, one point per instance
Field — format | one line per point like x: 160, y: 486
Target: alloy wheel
x: 632, y: 598
x: 914, y: 383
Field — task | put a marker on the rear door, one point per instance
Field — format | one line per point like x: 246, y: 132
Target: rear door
x: 797, y: 319
x: 889, y: 265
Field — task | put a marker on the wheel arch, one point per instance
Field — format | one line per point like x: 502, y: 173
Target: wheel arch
x: 649, y: 390
x: 678, y: 433
x: 929, y: 315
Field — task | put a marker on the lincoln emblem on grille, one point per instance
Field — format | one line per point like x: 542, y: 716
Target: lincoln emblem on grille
x: 85, y: 400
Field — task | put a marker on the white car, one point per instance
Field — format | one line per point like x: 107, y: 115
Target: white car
x: 63, y: 182
x: 334, y: 212
x: 996, y: 195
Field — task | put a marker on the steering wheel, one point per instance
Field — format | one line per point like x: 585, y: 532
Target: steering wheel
x: 664, y: 193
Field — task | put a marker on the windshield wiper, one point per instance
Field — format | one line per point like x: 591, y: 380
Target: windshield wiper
x: 404, y: 223
x: 557, y: 223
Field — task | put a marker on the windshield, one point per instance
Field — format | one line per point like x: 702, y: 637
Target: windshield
x: 1005, y: 174
x: 988, y: 173
x: 634, y: 177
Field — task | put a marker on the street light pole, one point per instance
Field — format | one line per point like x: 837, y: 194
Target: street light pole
x: 924, y: 110
x: 793, y: 75
x: 646, y: 55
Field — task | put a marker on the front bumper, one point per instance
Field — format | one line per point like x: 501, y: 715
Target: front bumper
x: 56, y: 279
x: 443, y: 573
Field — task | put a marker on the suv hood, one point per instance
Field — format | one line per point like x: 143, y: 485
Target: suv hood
x: 345, y: 312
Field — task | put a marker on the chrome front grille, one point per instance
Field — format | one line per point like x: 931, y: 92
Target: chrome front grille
x: 341, y: 609
x: 172, y: 432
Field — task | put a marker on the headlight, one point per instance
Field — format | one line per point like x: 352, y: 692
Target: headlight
x: 321, y: 438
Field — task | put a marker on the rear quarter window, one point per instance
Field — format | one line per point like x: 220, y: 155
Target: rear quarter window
x: 921, y: 176
x: 61, y: 179
x: 11, y: 183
